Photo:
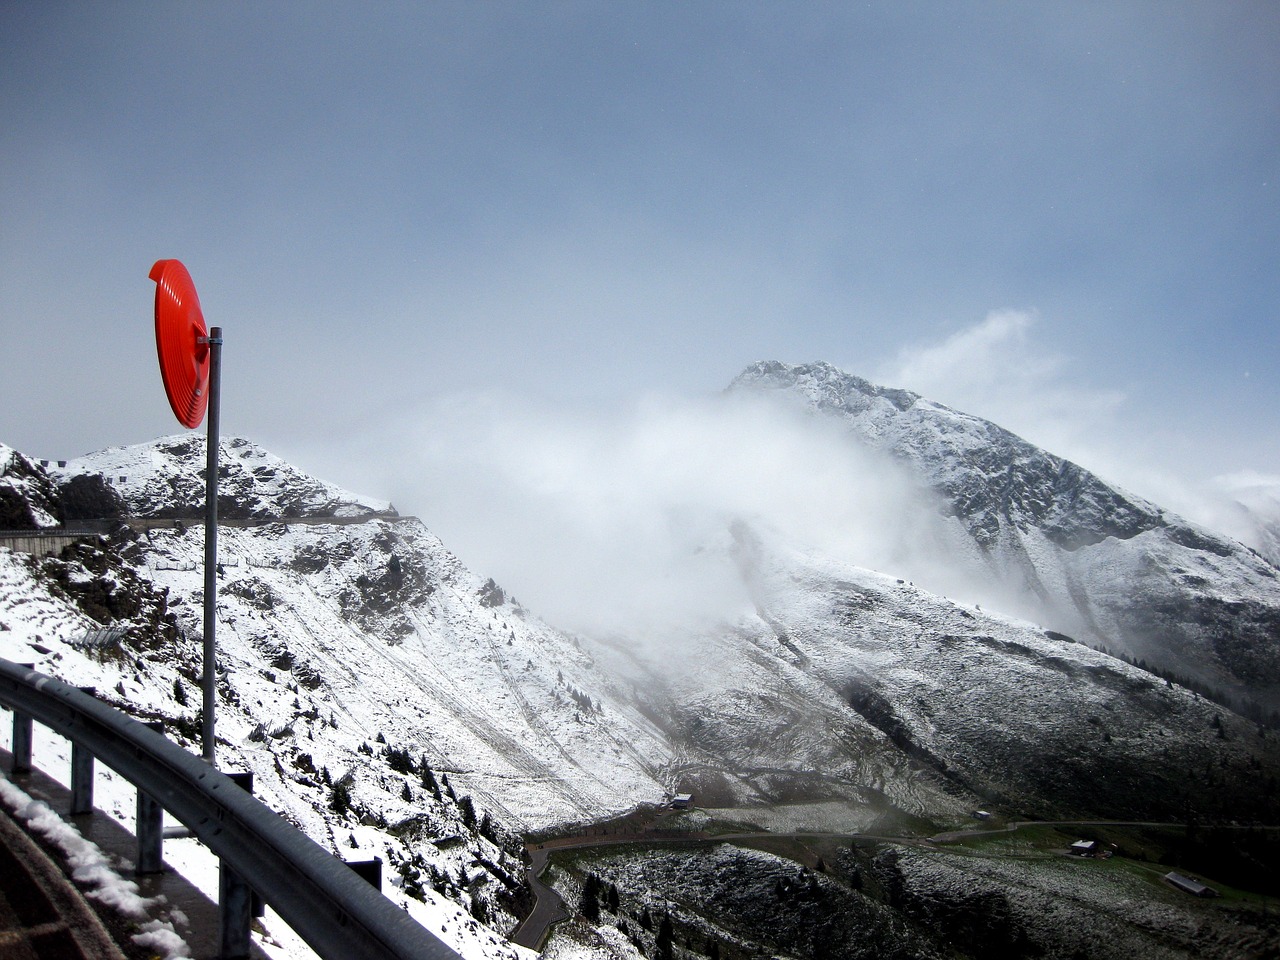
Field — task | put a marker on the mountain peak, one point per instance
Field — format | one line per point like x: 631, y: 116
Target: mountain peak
x: 822, y: 383
x: 166, y: 478
x: 991, y: 478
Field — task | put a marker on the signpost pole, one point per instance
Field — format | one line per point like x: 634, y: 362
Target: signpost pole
x: 210, y: 683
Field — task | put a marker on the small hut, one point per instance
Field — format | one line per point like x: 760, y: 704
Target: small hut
x: 1188, y: 885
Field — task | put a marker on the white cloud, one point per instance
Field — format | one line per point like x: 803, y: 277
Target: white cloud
x: 999, y: 370
x: 996, y: 369
x: 620, y: 519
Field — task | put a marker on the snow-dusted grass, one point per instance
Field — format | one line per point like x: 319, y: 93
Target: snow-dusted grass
x: 1103, y: 908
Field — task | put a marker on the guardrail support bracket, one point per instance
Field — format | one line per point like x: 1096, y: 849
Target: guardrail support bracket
x: 21, y: 742
x: 81, y: 780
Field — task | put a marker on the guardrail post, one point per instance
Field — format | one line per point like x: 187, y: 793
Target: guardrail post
x: 81, y: 780
x: 21, y: 742
x: 82, y: 773
x: 235, y: 909
x: 149, y: 826
x: 22, y: 728
x: 237, y: 903
x: 244, y: 780
x: 370, y: 870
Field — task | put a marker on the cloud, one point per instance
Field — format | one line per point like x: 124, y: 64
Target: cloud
x: 619, y: 519
x: 1244, y: 505
x: 997, y: 369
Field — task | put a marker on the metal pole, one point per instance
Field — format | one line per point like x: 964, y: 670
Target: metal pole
x: 211, y: 544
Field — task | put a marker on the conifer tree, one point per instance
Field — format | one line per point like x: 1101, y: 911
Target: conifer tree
x: 589, y: 905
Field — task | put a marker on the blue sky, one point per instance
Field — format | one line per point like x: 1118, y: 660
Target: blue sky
x: 1063, y: 216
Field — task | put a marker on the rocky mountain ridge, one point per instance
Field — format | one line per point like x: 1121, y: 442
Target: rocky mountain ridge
x: 1086, y: 558
x: 166, y: 478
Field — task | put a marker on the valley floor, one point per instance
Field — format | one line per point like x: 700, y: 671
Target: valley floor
x: 689, y: 885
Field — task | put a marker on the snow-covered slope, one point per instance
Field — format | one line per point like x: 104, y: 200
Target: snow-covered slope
x: 393, y: 703
x: 388, y: 700
x: 384, y: 632
x: 1089, y: 559
x: 850, y: 685
x: 449, y: 870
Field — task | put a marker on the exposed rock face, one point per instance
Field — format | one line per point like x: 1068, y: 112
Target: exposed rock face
x: 88, y: 496
x: 28, y: 497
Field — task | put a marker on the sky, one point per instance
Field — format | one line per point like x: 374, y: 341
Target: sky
x: 1063, y: 216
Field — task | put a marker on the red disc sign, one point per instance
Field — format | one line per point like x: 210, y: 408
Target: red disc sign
x: 181, y: 342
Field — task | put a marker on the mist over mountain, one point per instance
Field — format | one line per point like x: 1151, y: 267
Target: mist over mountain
x: 617, y: 520
x: 817, y: 603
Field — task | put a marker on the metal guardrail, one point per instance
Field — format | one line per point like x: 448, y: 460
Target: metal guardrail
x: 334, y: 910
x: 46, y: 541
x: 96, y: 530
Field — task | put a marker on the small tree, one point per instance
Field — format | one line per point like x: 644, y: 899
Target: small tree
x: 398, y: 759
x: 340, y: 798
x: 662, y: 946
x: 468, y: 811
x: 589, y: 905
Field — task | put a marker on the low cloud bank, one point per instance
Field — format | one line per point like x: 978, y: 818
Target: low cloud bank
x: 619, y: 520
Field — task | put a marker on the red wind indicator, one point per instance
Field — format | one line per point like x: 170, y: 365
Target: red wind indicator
x: 182, y: 342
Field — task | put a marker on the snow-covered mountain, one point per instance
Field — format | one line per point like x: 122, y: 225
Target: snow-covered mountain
x: 848, y: 678
x: 1084, y: 557
x: 384, y: 631
x: 392, y: 702
x: 842, y: 679
x: 387, y: 699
